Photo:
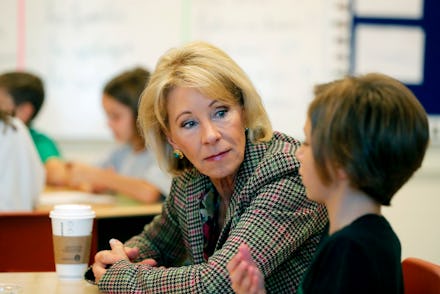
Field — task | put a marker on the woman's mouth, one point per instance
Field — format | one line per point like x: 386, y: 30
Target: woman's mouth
x: 217, y: 156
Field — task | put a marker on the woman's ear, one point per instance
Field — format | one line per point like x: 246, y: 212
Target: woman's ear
x: 172, y: 142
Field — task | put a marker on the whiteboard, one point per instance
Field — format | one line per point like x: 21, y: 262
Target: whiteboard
x: 76, y: 46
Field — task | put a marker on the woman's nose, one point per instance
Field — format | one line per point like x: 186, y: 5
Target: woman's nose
x: 210, y: 133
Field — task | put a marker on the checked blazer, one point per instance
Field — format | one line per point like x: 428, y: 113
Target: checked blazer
x: 268, y: 211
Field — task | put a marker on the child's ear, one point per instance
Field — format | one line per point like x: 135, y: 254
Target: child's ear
x: 341, y: 174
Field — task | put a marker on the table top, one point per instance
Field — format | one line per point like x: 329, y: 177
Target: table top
x: 105, y: 206
x: 47, y: 282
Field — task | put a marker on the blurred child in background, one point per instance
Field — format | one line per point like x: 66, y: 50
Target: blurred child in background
x: 131, y: 169
x: 22, y: 173
x: 22, y: 95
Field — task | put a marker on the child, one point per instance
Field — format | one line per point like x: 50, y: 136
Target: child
x: 131, y: 169
x: 22, y: 94
x: 364, y: 138
x: 22, y: 173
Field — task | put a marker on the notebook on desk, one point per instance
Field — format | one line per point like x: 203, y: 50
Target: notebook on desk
x: 49, y: 198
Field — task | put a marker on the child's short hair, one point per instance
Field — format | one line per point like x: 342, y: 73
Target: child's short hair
x: 371, y: 126
x: 24, y: 87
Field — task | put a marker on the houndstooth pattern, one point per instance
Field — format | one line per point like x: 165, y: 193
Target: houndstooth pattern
x: 268, y: 210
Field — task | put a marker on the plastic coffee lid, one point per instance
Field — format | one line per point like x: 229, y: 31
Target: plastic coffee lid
x: 72, y: 211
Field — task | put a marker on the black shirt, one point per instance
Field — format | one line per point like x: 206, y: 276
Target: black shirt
x: 363, y: 257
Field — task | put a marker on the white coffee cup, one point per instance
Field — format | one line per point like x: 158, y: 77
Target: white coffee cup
x: 72, y: 226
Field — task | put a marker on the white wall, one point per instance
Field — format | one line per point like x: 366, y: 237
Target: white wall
x: 415, y: 211
x: 78, y: 45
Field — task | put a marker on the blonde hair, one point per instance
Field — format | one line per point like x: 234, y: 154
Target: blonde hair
x: 214, y: 74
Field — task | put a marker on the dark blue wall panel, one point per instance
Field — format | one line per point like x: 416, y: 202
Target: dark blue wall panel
x: 428, y: 91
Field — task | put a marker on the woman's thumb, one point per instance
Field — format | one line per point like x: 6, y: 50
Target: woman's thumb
x: 117, y: 246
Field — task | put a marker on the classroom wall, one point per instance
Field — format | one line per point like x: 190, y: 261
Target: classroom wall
x: 78, y: 45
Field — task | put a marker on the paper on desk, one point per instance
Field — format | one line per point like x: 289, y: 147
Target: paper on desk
x: 64, y: 197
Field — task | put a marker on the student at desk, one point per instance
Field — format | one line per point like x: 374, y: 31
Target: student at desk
x: 21, y: 173
x: 364, y: 138
x: 22, y: 94
x: 131, y: 169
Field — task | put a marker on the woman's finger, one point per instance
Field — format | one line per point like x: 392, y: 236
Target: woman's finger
x: 118, y: 248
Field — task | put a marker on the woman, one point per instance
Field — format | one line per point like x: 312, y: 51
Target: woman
x: 364, y: 138
x: 235, y: 181
x: 131, y: 168
x: 22, y: 174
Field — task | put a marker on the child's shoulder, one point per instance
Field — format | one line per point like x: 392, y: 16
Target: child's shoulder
x: 368, y: 233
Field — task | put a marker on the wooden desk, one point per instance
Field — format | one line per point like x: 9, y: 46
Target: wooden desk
x: 105, y: 206
x: 46, y: 282
x: 27, y: 236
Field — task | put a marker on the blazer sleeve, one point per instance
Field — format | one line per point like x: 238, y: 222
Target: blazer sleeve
x: 161, y: 239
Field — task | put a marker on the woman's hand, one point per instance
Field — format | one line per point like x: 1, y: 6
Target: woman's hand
x: 106, y: 258
x: 245, y: 276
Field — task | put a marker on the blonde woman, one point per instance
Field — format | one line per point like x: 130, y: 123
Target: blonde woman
x: 235, y: 181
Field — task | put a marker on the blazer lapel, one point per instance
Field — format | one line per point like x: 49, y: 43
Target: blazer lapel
x: 240, y: 201
x: 196, y: 189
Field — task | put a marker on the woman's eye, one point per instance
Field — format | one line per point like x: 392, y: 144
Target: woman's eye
x: 221, y: 113
x: 188, y: 124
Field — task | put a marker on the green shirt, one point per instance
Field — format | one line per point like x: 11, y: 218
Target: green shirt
x: 46, y: 147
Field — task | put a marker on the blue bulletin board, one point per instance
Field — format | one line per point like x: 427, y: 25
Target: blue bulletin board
x: 429, y: 24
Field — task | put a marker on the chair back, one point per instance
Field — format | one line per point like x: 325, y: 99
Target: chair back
x: 420, y: 276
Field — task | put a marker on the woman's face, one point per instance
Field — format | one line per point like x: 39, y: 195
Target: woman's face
x: 210, y: 133
x: 120, y: 119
